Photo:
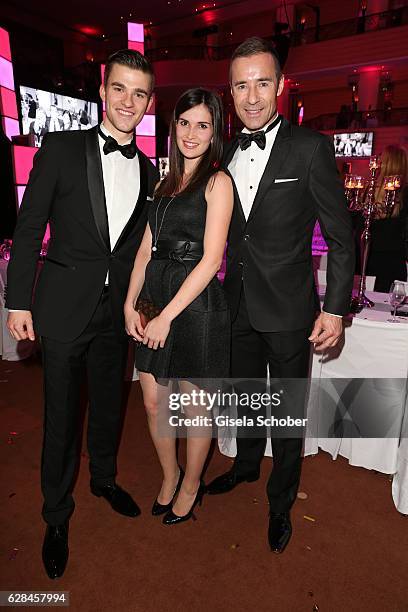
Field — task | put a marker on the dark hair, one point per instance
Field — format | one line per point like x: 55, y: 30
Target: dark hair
x: 211, y: 159
x: 254, y: 46
x: 131, y: 59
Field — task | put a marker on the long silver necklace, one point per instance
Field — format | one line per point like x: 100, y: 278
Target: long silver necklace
x: 156, y: 229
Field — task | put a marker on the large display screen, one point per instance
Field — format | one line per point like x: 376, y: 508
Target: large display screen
x: 354, y: 144
x: 45, y: 111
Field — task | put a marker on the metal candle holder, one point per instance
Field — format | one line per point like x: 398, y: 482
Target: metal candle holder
x: 354, y: 186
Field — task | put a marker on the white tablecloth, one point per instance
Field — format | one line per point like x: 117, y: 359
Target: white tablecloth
x: 10, y: 350
x: 373, y: 348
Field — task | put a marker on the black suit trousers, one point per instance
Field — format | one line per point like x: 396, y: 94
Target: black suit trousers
x: 101, y: 354
x: 288, y: 356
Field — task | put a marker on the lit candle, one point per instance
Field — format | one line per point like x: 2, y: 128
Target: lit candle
x: 374, y: 162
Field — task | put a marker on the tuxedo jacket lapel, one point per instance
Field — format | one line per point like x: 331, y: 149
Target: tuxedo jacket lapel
x: 228, y: 155
x: 96, y: 185
x: 141, y: 200
x: 280, y: 151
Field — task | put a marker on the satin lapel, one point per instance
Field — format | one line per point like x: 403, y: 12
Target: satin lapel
x: 141, y: 201
x: 280, y: 151
x: 229, y: 154
x: 96, y: 185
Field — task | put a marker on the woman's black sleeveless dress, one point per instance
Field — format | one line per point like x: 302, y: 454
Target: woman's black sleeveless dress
x: 198, y: 344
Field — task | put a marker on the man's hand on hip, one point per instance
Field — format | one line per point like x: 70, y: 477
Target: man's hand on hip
x: 326, y: 331
x: 20, y: 325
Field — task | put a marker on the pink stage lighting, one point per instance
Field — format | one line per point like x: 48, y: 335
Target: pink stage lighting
x: 11, y: 127
x: 147, y: 144
x: 147, y: 126
x: 137, y: 46
x: 8, y: 105
x: 6, y: 73
x: 5, y: 45
x: 135, y: 32
x: 146, y: 130
x: 20, y: 193
x: 23, y: 162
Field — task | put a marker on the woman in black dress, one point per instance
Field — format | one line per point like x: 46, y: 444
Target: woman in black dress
x: 174, y: 278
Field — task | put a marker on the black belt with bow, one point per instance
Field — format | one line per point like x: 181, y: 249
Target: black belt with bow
x: 178, y: 250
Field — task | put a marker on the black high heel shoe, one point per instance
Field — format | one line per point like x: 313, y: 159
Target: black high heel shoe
x: 173, y: 519
x: 158, y: 508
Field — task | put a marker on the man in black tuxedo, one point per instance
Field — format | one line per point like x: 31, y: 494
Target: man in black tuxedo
x: 92, y: 187
x: 285, y: 178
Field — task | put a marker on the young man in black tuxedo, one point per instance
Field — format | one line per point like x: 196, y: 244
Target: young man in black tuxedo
x: 92, y: 187
x: 285, y: 178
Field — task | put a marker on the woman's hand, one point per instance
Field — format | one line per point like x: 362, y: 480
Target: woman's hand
x: 133, y: 324
x: 156, y: 332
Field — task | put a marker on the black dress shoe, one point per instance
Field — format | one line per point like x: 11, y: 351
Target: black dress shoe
x: 119, y: 499
x: 279, y: 532
x: 172, y: 519
x: 55, y: 550
x: 159, y: 508
x: 228, y: 481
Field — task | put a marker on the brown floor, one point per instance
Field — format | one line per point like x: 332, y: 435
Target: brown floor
x: 354, y: 557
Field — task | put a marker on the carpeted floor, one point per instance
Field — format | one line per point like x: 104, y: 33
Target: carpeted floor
x: 353, y: 557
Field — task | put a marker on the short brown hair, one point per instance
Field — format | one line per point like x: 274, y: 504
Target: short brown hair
x: 131, y: 59
x: 254, y: 46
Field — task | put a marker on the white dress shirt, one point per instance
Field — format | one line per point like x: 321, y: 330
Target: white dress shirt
x: 121, y: 178
x: 247, y: 168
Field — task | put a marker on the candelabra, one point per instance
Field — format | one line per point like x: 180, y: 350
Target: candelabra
x: 360, y: 194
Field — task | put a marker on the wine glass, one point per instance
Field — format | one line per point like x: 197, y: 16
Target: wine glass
x: 397, y: 296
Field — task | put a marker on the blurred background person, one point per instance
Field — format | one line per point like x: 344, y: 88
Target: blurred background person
x: 389, y: 234
x: 66, y: 121
x: 38, y: 126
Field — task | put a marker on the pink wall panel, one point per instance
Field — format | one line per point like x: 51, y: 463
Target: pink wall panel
x: 6, y: 73
x: 137, y: 46
x: 8, y: 105
x: 11, y: 127
x: 20, y: 193
x: 135, y: 32
x: 147, y: 126
x: 4, y: 44
x: 146, y: 130
x: 23, y: 162
x: 147, y: 144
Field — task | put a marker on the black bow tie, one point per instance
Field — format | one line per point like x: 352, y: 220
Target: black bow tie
x: 258, y: 137
x: 128, y: 151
